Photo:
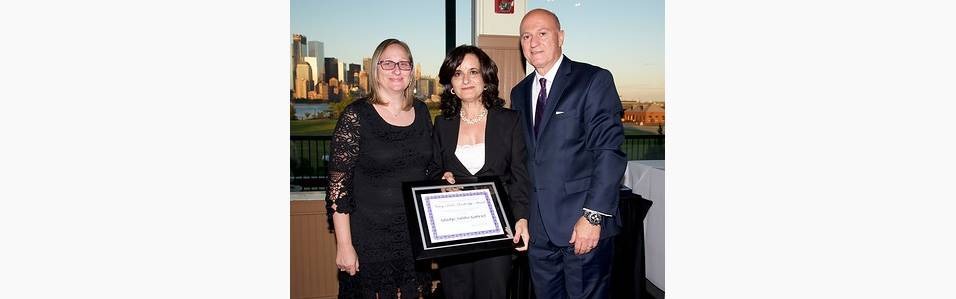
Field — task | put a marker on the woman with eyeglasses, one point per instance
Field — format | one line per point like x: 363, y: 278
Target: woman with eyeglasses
x: 476, y: 136
x: 378, y: 143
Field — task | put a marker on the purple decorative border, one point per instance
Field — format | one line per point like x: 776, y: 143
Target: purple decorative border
x: 491, y: 208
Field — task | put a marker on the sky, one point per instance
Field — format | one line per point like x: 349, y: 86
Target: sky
x: 625, y: 37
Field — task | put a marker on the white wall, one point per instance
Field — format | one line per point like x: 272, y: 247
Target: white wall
x: 489, y: 22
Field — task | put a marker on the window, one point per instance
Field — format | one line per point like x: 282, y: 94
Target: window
x: 625, y: 37
x: 332, y: 45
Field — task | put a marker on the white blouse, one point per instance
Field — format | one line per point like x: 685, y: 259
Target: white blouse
x: 472, y: 156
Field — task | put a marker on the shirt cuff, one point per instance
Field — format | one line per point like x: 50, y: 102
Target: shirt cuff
x: 599, y: 213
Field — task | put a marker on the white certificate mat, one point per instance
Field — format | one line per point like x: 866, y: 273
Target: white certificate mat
x: 461, y: 215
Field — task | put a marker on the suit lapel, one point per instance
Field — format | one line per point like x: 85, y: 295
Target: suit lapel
x: 561, y: 81
x: 524, y: 101
x: 452, y: 142
x: 490, y: 126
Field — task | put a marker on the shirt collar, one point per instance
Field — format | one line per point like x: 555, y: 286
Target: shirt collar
x: 551, y: 73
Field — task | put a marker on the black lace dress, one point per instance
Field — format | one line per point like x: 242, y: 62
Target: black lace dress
x: 370, y: 159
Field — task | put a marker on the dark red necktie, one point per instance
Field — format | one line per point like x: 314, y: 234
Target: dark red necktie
x: 539, y: 108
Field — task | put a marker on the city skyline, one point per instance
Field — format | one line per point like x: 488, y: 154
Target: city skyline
x: 340, y: 78
x: 626, y: 38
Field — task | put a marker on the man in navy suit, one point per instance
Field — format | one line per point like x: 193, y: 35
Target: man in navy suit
x: 572, y: 124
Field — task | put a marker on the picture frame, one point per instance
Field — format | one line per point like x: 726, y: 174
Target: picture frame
x: 471, y: 216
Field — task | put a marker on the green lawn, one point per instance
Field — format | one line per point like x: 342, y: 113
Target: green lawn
x: 312, y: 127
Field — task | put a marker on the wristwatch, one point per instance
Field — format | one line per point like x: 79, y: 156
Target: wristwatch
x: 593, y: 217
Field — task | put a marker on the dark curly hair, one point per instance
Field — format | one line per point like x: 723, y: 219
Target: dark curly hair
x: 450, y: 103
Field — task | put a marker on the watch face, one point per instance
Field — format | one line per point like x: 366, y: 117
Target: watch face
x: 594, y: 218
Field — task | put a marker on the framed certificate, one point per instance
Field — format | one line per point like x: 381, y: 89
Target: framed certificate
x: 470, y: 216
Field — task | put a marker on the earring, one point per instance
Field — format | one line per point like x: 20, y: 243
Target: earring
x: 453, y: 91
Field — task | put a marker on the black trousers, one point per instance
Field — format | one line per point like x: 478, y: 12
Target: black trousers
x: 483, y: 276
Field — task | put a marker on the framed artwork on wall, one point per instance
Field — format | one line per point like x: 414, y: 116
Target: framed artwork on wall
x: 505, y: 6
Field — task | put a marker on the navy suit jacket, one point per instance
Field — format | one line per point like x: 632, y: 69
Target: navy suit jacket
x: 575, y: 161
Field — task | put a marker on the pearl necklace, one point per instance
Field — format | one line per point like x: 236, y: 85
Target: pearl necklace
x: 478, y: 118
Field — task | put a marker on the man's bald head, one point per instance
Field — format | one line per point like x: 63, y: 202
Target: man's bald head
x: 545, y: 12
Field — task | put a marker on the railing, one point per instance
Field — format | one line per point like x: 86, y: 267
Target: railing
x: 309, y: 162
x: 643, y: 147
x: 310, y: 157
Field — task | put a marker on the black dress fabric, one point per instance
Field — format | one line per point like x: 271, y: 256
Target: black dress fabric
x: 370, y: 159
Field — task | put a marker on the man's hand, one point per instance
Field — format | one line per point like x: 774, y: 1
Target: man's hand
x: 521, y: 232
x: 585, y: 236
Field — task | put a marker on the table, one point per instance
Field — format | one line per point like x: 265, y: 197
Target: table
x: 646, y: 178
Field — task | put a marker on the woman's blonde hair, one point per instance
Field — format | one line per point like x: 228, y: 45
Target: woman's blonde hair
x: 373, y: 97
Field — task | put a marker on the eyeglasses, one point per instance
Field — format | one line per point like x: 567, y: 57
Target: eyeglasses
x: 389, y: 65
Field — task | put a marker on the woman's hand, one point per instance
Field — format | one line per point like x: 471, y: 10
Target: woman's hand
x: 346, y: 259
x: 447, y: 176
x: 521, y: 233
x: 450, y: 178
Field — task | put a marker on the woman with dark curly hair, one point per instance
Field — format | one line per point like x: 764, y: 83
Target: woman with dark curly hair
x: 476, y: 136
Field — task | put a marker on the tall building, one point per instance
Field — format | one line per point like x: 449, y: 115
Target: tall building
x: 418, y: 71
x: 303, y: 80
x: 341, y: 69
x: 322, y: 89
x: 335, y: 93
x: 363, y: 81
x: 331, y: 68
x: 317, y: 50
x: 313, y: 63
x: 298, y: 51
x: 298, y: 47
x: 344, y: 89
x: 292, y: 70
x: 352, y: 77
x: 367, y: 64
x: 424, y: 88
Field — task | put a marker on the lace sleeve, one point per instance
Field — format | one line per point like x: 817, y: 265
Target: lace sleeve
x: 344, y: 154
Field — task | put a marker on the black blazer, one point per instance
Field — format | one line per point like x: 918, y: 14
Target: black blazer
x: 505, y: 154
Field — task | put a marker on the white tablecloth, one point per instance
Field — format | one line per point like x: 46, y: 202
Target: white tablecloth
x: 646, y: 178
